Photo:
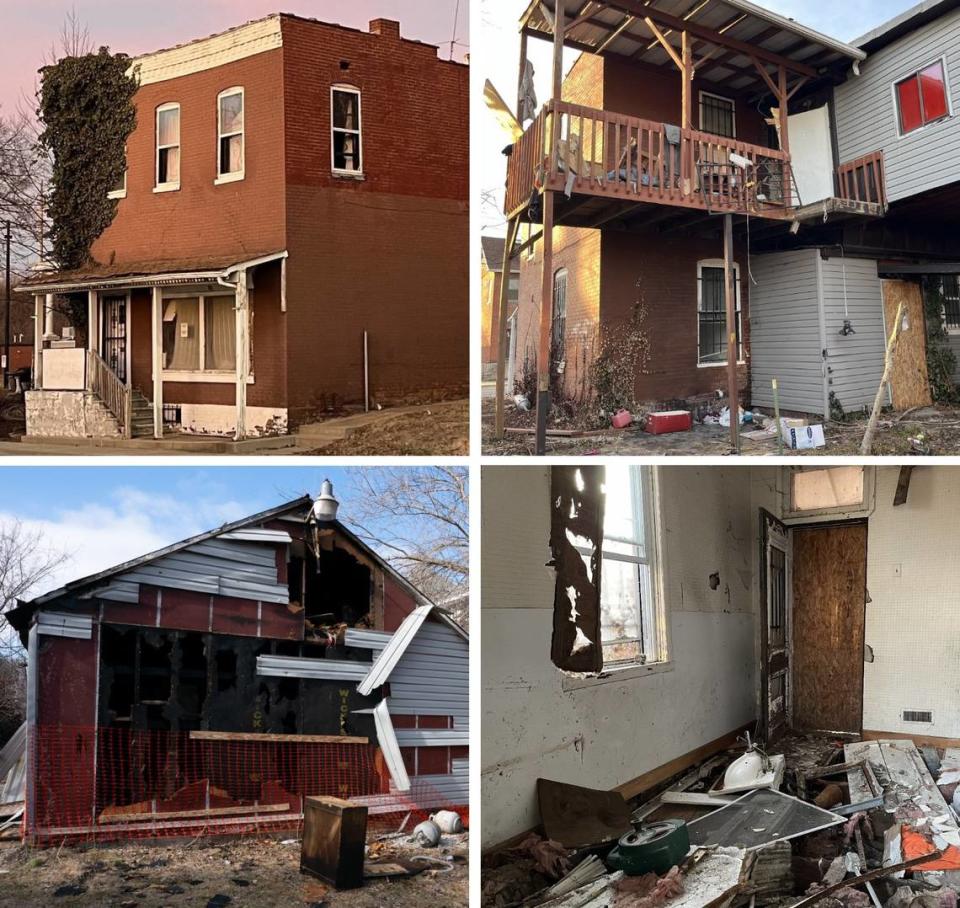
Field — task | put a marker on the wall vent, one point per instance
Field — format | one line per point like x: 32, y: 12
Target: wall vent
x: 917, y: 715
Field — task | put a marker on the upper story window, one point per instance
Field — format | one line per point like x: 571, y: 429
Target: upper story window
x: 712, y: 309
x: 346, y: 136
x: 717, y: 115
x: 559, y: 316
x: 119, y: 190
x: 230, y: 137
x: 168, y: 148
x: 923, y: 98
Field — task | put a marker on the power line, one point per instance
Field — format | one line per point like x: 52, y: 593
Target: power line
x: 456, y: 19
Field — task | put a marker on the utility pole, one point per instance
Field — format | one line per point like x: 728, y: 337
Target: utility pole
x: 6, y: 332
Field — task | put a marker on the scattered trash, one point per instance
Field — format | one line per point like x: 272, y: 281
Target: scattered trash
x: 522, y: 403
x: 806, y: 439
x: 669, y: 421
x: 448, y: 821
x: 426, y: 834
x: 622, y: 419
x: 652, y: 849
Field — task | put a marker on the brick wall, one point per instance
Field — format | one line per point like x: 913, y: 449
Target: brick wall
x: 244, y: 217
x: 386, y: 254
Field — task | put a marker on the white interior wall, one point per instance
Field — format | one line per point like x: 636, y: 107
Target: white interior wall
x: 535, y: 723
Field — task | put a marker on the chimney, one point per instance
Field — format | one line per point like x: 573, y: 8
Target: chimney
x: 325, y: 506
x: 388, y: 28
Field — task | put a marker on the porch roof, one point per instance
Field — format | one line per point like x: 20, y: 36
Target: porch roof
x: 158, y: 272
x: 730, y: 33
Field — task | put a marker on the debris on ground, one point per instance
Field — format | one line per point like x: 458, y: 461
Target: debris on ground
x: 844, y: 823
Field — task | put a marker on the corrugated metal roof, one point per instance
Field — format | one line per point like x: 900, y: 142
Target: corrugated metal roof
x: 610, y: 28
x: 906, y: 22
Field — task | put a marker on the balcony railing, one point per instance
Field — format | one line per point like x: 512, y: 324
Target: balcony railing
x: 620, y: 157
x: 863, y: 180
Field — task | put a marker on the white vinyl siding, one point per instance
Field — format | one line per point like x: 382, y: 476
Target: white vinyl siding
x: 867, y: 117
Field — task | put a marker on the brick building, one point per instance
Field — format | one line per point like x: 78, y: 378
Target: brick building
x: 491, y: 278
x: 289, y: 238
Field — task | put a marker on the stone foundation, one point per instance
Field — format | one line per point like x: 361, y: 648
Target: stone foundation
x: 68, y: 414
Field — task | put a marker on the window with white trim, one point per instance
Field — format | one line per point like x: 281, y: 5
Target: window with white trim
x: 559, y: 327
x: 629, y: 616
x: 718, y: 115
x: 346, y: 135
x: 168, y: 147
x: 922, y: 98
x: 951, y: 303
x: 230, y: 135
x: 712, y: 313
x: 199, y: 333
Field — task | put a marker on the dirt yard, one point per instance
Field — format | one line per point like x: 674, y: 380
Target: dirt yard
x: 932, y: 431
x: 442, y: 430
x: 240, y: 873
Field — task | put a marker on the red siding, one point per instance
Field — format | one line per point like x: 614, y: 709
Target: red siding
x: 397, y: 604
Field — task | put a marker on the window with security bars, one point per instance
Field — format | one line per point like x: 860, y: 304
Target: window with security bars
x: 717, y: 115
x: 558, y: 340
x: 347, y: 138
x: 951, y: 303
x: 712, y: 310
x: 628, y: 613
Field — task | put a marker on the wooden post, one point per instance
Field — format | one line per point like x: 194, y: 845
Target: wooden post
x: 156, y: 322
x: 546, y: 299
x: 512, y: 229
x: 867, y: 445
x: 242, y: 309
x: 686, y: 74
x: 523, y: 66
x: 730, y: 293
x: 785, y: 136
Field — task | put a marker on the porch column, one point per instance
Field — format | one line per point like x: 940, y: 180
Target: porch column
x: 38, y: 341
x: 156, y: 323
x: 502, y: 306
x: 93, y: 334
x: 242, y: 309
x: 48, y: 317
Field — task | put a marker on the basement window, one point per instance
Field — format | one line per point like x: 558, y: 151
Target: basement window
x: 168, y: 148
x: 346, y: 137
x: 712, y: 313
x: 230, y: 137
x: 922, y: 98
x: 827, y: 490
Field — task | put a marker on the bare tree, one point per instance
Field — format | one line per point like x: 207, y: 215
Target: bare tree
x: 26, y: 560
x: 418, y: 519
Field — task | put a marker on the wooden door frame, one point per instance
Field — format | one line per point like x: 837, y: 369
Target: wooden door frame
x: 828, y: 525
x: 764, y: 723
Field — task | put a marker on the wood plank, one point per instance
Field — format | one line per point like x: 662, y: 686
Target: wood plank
x: 243, y: 810
x: 909, y: 382
x: 829, y: 596
x: 277, y: 739
x: 903, y: 486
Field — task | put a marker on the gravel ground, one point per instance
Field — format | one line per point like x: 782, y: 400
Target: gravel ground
x: 243, y: 873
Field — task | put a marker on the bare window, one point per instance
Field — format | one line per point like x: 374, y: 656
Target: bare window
x: 923, y: 98
x: 168, y: 147
x: 717, y: 115
x: 826, y: 489
x: 230, y: 135
x: 559, y: 333
x: 119, y: 190
x: 199, y: 334
x: 712, y: 313
x: 346, y: 131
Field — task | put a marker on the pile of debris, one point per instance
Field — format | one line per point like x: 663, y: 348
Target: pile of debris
x: 854, y: 824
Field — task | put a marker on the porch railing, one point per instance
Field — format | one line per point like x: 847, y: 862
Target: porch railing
x: 610, y: 154
x: 111, y: 390
x: 863, y: 180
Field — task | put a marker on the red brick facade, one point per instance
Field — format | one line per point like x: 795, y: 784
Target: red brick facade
x: 384, y: 254
x: 611, y: 273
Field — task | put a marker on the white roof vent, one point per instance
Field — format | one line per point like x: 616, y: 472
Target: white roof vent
x: 325, y: 506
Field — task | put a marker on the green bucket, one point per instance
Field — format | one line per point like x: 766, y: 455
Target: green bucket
x: 654, y: 848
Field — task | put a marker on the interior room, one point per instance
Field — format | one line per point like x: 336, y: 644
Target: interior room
x: 649, y: 632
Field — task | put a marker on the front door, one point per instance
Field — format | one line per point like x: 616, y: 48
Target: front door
x: 775, y: 670
x: 113, y: 341
x: 829, y: 615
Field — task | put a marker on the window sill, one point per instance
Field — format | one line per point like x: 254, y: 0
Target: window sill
x: 926, y: 126
x: 229, y: 178
x: 349, y: 175
x: 614, y: 676
x: 212, y: 378
x: 117, y: 194
x: 167, y: 187
x: 740, y: 362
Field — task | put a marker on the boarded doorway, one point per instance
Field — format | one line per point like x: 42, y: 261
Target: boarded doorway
x: 909, y: 383
x: 829, y: 604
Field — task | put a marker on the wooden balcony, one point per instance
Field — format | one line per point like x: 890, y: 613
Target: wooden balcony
x: 608, y: 166
x: 863, y: 180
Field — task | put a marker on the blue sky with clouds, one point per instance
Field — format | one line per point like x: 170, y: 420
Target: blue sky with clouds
x: 104, y: 515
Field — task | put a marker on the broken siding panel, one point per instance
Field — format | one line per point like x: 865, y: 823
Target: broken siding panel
x: 852, y: 290
x: 785, y: 331
x: 867, y: 115
x: 117, y: 591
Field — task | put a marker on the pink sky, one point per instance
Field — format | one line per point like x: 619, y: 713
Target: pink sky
x: 140, y: 26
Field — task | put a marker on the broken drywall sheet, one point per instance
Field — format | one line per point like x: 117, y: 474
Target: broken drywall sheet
x: 577, y: 504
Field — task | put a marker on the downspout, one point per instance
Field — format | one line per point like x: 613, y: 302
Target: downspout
x: 241, y: 308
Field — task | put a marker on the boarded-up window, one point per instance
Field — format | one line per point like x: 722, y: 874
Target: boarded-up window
x: 829, y: 489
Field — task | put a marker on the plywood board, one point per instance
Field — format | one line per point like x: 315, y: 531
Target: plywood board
x: 829, y: 596
x: 909, y: 383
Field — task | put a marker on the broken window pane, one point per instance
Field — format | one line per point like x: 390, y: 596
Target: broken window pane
x: 346, y: 131
x: 231, y: 133
x: 826, y: 489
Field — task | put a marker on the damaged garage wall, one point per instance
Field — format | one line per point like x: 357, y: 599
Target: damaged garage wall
x: 603, y: 733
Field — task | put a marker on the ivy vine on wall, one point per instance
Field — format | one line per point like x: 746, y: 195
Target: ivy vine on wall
x: 941, y: 360
x: 87, y: 113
